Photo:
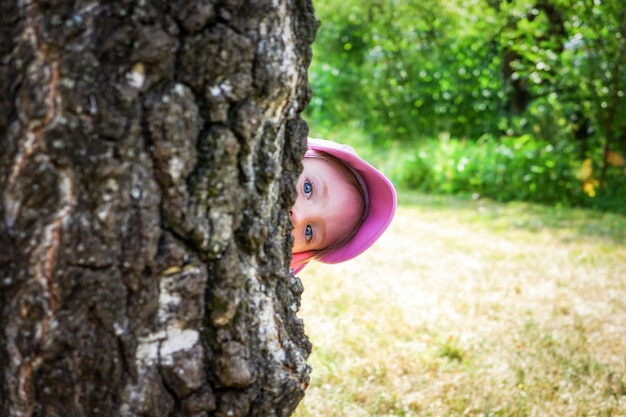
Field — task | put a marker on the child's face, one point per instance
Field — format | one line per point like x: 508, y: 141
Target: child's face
x: 327, y: 206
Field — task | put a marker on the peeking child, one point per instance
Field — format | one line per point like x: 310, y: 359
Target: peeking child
x: 343, y: 205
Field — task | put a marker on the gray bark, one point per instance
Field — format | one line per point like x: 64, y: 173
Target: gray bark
x: 148, y: 156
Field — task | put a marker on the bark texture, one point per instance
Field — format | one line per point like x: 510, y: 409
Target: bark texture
x: 148, y: 156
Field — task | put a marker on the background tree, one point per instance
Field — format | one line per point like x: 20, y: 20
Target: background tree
x: 529, y: 93
x: 148, y: 155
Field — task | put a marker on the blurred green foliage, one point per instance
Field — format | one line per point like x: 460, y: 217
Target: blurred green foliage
x: 513, y: 99
x: 504, y: 169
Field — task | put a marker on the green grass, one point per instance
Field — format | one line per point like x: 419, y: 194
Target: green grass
x: 573, y: 222
x: 473, y: 308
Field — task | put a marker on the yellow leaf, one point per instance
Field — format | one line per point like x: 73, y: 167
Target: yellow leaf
x: 586, y: 170
x: 589, y: 187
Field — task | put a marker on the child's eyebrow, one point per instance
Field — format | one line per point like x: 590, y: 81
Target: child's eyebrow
x: 321, y: 232
x: 324, y: 188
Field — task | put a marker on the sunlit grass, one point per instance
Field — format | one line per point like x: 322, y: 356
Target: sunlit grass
x: 473, y: 308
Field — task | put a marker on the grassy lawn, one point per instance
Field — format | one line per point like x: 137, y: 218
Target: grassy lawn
x: 473, y: 308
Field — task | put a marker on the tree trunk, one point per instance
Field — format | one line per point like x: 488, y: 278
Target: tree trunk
x: 148, y: 156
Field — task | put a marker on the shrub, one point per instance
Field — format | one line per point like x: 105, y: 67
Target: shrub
x: 510, y: 168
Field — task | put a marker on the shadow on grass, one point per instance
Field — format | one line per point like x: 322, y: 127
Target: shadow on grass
x: 519, y: 215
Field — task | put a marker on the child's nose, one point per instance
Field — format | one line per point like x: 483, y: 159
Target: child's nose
x: 293, y: 217
x: 296, y: 213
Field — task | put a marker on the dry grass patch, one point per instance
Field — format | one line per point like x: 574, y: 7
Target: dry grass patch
x: 473, y: 309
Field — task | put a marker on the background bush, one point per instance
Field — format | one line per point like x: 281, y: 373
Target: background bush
x: 515, y: 100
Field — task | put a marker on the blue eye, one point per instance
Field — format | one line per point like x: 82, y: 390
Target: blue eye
x: 307, y: 187
x: 308, y: 233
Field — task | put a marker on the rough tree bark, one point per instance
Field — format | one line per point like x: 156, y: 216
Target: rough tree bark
x: 148, y: 155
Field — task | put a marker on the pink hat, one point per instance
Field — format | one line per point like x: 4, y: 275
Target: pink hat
x: 380, y: 200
